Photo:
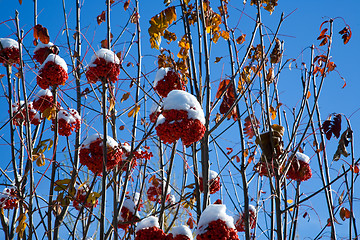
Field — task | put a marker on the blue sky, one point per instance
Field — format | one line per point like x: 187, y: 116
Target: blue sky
x: 299, y: 31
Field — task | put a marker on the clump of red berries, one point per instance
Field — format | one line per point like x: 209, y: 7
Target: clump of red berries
x: 53, y: 72
x: 19, y: 114
x: 43, y: 100
x: 214, y: 182
x: 8, y: 198
x: 104, y: 65
x: 154, y: 192
x: 182, y: 117
x: 167, y: 80
x: 214, y: 223
x: 240, y: 222
x: 299, y: 168
x: 91, y: 153
x: 43, y: 50
x: 81, y: 200
x: 68, y: 121
x: 127, y: 215
x: 9, y: 51
x: 149, y: 229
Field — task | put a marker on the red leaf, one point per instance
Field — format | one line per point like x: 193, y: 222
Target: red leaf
x: 332, y: 126
x: 41, y: 33
x: 346, y: 34
x: 101, y: 18
x: 248, y: 129
x: 230, y: 150
x: 323, y: 24
x: 126, y: 5
x: 322, y: 34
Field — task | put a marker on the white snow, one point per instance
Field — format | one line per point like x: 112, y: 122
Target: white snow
x: 110, y: 141
x: 252, y: 208
x: 42, y: 45
x: 9, y: 43
x: 64, y: 114
x: 214, y: 212
x: 148, y: 223
x: 129, y: 204
x: 181, y: 100
x: 302, y: 157
x: 55, y: 59
x: 212, y: 175
x: 160, y: 74
x: 136, y: 198
x: 182, y: 230
x: 106, y: 54
x: 160, y: 120
x: 42, y: 93
x: 75, y: 114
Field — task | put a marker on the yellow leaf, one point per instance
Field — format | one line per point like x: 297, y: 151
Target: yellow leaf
x: 273, y: 112
x: 20, y: 229
x: 125, y: 97
x: 93, y: 197
x: 49, y: 113
x: 290, y: 201
x: 134, y: 111
x: 225, y: 35
x: 278, y: 128
x: 40, y: 161
x: 112, y: 104
x: 61, y: 184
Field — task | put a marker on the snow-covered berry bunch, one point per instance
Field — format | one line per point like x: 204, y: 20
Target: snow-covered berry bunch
x: 8, y: 198
x: 68, y: 121
x: 149, y: 229
x: 19, y: 114
x: 214, y: 223
x: 181, y: 117
x: 214, y: 182
x: 53, y: 72
x: 104, y: 65
x: 240, y: 221
x: 299, y: 167
x: 91, y: 153
x: 127, y: 215
x: 81, y: 200
x: 9, y: 51
x: 43, y: 100
x: 166, y: 80
x: 180, y: 233
x: 137, y: 155
x: 42, y: 50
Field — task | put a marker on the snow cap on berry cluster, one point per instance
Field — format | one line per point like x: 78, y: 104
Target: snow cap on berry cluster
x: 55, y: 59
x: 68, y: 116
x: 9, y: 43
x: 148, y: 222
x: 42, y: 93
x: 110, y: 141
x: 43, y: 45
x: 160, y: 74
x: 182, y: 230
x: 214, y: 212
x: 181, y: 100
x: 212, y: 175
x: 106, y: 54
x: 252, y: 209
x: 302, y: 157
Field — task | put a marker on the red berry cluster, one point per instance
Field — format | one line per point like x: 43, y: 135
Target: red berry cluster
x: 150, y: 233
x: 218, y: 230
x: 43, y: 101
x: 240, y: 223
x: 171, y: 81
x: 155, y: 191
x: 19, y: 115
x: 214, y: 185
x: 68, y: 121
x: 137, y: 155
x: 8, y: 198
x: 127, y: 218
x: 177, y: 125
x: 80, y: 200
x: 92, y: 156
x: 41, y: 53
x: 299, y: 170
x: 51, y: 74
x: 102, y: 70
x: 9, y: 56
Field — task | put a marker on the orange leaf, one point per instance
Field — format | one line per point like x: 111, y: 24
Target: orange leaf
x: 355, y: 169
x: 101, y: 18
x: 217, y: 59
x: 241, y: 39
x: 20, y: 1
x: 2, y: 75
x: 344, y: 213
x: 126, y: 5
x: 273, y: 112
x: 230, y: 150
x: 42, y: 34
x: 125, y: 97
x: 308, y: 95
